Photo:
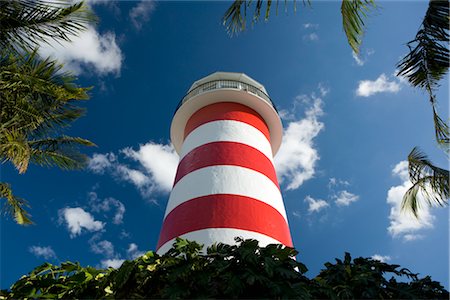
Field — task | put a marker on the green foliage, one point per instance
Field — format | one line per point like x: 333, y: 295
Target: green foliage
x: 14, y: 205
x: 37, y: 99
x: 428, y: 59
x: 26, y: 23
x: 353, y: 14
x: 431, y: 181
x: 240, y: 271
x: 235, y: 18
x: 37, y: 102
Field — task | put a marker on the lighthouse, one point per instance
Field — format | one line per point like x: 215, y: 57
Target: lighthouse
x: 226, y: 131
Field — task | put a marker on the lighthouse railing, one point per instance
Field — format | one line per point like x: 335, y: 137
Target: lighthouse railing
x: 226, y: 84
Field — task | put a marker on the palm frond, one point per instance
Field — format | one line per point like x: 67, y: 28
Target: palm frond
x: 431, y: 181
x: 441, y: 131
x: 235, y: 18
x: 428, y: 59
x: 14, y: 205
x: 59, y: 142
x: 66, y: 159
x: 15, y: 148
x: 353, y: 14
x: 26, y: 23
x: 37, y: 102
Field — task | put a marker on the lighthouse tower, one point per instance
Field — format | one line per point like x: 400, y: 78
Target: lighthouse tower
x: 226, y: 131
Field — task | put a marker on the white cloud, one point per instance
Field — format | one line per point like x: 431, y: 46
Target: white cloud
x: 382, y: 84
x: 333, y: 182
x: 296, y: 214
x: 344, y: 198
x: 160, y: 162
x: 141, y: 13
x: 358, y: 59
x: 101, y: 162
x: 402, y: 223
x: 133, y: 251
x: 315, y: 205
x: 105, y: 205
x: 157, y: 165
x: 136, y: 177
x: 310, y: 26
x: 113, y: 263
x: 45, y: 252
x: 102, y: 247
x: 89, y: 49
x: 311, y: 37
x: 76, y: 219
x: 296, y: 160
x: 413, y: 237
x: 382, y: 258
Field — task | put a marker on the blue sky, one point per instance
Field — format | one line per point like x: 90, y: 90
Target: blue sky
x: 349, y: 125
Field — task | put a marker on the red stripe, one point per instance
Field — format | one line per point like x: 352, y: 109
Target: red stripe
x: 229, y: 154
x: 225, y: 211
x: 226, y: 111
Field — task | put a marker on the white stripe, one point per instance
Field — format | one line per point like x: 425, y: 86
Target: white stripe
x: 226, y: 180
x: 209, y: 236
x: 227, y: 131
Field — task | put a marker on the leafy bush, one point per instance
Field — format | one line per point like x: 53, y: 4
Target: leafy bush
x: 240, y: 271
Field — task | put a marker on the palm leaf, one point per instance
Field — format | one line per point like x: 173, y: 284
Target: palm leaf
x: 431, y: 181
x: 36, y: 104
x: 26, y: 23
x: 15, y: 148
x: 65, y: 159
x: 14, y: 205
x: 428, y: 59
x: 353, y: 14
x: 235, y: 18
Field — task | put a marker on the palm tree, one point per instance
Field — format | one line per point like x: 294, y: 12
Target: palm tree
x: 37, y: 99
x: 428, y: 59
x: 26, y: 23
x: 428, y: 180
x: 424, y: 66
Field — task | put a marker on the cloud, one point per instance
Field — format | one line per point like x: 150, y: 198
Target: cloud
x: 315, y: 205
x: 296, y: 160
x: 141, y: 13
x: 112, y: 259
x: 358, y: 59
x: 103, y: 247
x: 78, y: 219
x: 311, y: 37
x: 112, y: 262
x: 296, y: 214
x: 368, y: 88
x: 402, y: 223
x: 133, y: 251
x: 106, y: 205
x: 381, y: 258
x: 362, y: 57
x: 45, y: 252
x: 310, y: 26
x: 160, y: 162
x: 90, y: 50
x: 344, y: 198
x: 101, y: 162
x: 333, y: 182
x: 156, y: 163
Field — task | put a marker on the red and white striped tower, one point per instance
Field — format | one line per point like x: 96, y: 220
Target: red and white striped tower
x: 226, y: 131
